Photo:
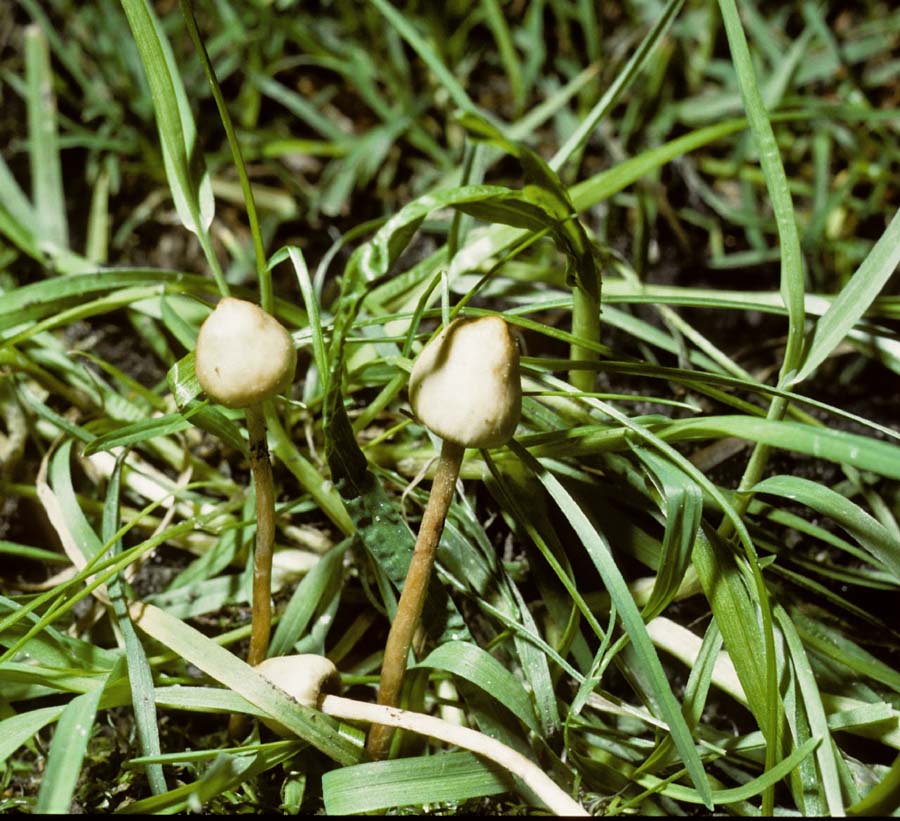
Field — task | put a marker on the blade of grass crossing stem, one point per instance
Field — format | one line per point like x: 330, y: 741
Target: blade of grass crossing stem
x: 695, y: 693
x: 815, y: 714
x: 43, y: 150
x: 67, y: 751
x: 599, y: 551
x: 767, y: 704
x: 263, y: 272
x: 623, y: 80
x: 188, y: 179
x: 225, y: 773
x: 854, y: 299
x: 226, y: 668
x: 139, y: 674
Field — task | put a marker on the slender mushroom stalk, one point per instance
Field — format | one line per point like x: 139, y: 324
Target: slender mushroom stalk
x: 244, y: 356
x: 315, y: 682
x: 465, y: 388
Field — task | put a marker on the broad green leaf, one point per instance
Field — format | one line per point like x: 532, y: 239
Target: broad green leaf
x: 476, y: 665
x: 384, y: 784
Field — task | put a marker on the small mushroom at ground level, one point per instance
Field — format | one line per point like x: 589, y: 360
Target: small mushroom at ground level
x: 305, y: 677
x: 309, y: 679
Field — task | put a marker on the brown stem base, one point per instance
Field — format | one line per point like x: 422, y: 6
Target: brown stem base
x: 412, y: 598
x: 261, y: 607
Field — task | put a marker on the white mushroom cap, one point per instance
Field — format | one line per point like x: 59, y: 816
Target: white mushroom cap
x: 305, y: 677
x: 243, y: 354
x: 465, y: 385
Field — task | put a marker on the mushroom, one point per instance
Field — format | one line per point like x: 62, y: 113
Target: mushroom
x: 465, y: 388
x: 243, y: 357
x: 314, y: 681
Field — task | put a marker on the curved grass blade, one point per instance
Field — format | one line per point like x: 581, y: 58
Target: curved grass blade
x: 188, y: 179
x: 854, y: 299
x: 792, y: 278
x: 881, y: 544
x: 470, y: 662
x: 682, y: 502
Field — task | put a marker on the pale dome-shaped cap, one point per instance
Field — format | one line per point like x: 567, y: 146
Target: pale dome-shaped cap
x: 465, y: 385
x: 243, y: 354
x: 305, y: 677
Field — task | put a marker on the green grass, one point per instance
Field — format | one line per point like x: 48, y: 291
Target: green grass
x: 674, y: 589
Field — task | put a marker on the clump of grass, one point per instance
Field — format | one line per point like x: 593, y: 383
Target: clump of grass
x: 673, y: 589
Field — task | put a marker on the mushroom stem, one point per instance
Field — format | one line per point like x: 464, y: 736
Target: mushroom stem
x: 261, y: 468
x: 412, y: 598
x: 556, y: 800
x: 261, y: 604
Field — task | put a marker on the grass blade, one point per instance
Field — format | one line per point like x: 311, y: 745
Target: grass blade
x: 600, y: 554
x: 189, y: 181
x: 46, y: 168
x: 378, y: 785
x: 854, y: 299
